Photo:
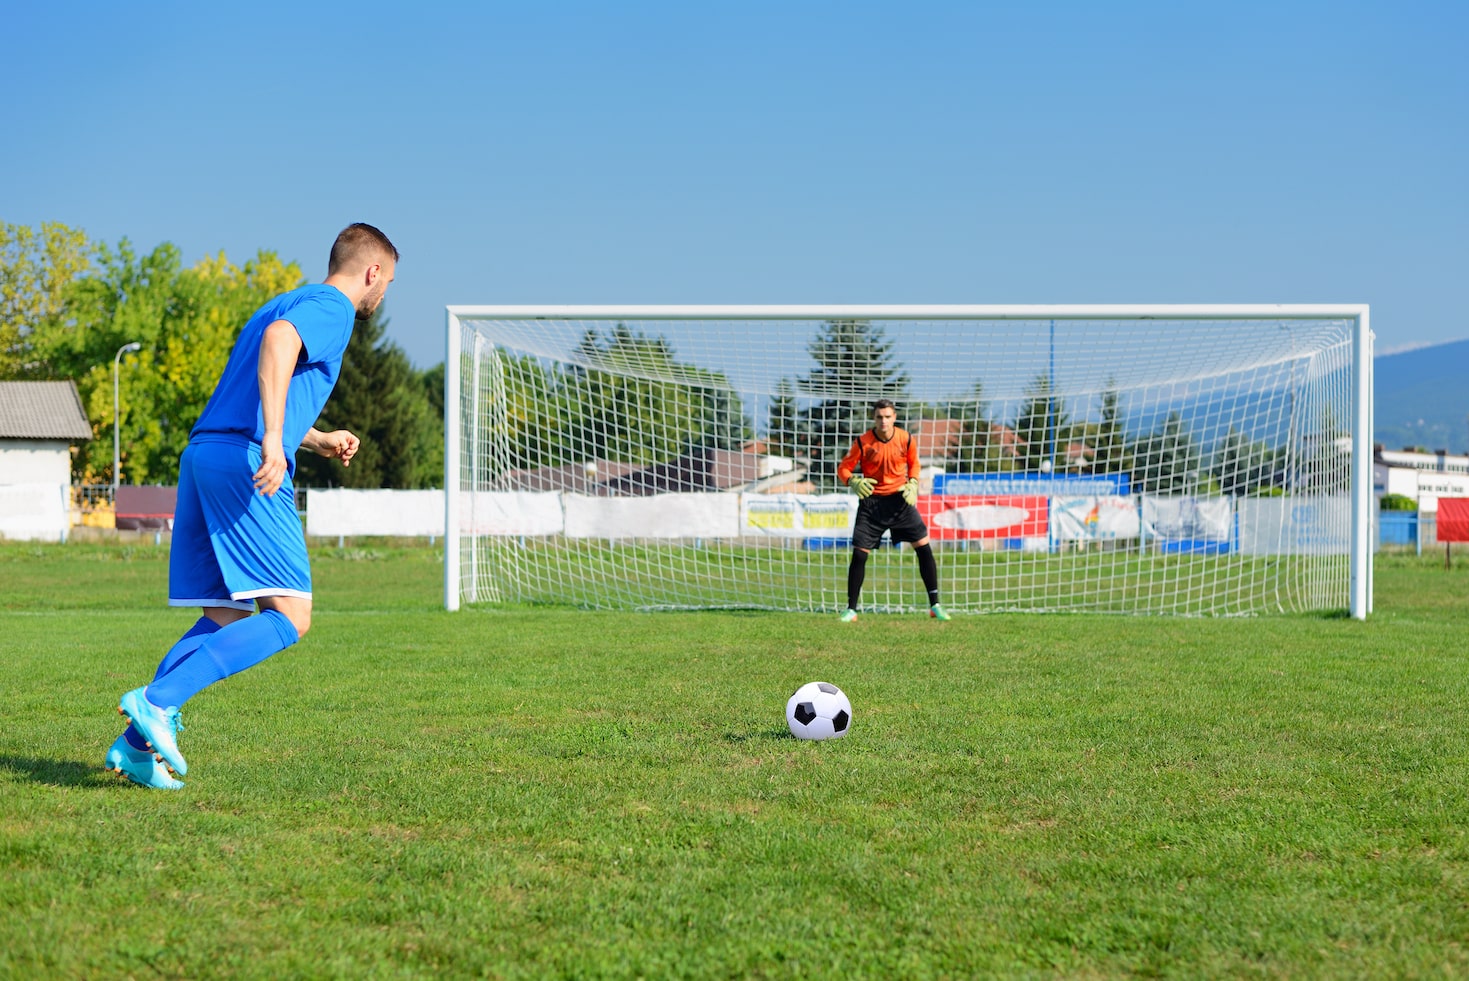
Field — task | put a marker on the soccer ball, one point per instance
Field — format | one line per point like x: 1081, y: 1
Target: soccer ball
x: 818, y: 711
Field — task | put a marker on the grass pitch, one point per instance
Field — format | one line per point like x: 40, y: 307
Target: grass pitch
x: 545, y: 792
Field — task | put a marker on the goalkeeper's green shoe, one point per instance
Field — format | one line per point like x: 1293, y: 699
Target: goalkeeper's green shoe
x: 938, y: 613
x: 139, y: 766
x: 156, y: 725
x: 850, y: 616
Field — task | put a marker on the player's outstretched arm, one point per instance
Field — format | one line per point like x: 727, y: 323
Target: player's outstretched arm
x: 279, y: 349
x: 338, y: 444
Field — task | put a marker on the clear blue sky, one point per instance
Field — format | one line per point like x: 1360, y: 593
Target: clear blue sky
x: 784, y: 152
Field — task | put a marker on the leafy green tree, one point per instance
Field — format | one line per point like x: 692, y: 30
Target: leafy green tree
x: 186, y: 321
x: 37, y: 270
x: 631, y: 400
x: 380, y: 397
x: 855, y: 367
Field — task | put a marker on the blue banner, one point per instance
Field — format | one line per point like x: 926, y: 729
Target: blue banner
x: 1034, y: 484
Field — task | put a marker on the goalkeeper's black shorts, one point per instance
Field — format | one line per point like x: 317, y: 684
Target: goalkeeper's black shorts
x: 888, y: 512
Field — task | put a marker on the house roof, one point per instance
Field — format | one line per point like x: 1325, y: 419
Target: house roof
x: 42, y: 410
x: 938, y: 438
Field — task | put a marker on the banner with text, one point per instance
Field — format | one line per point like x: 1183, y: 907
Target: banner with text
x: 952, y: 517
x: 1030, y: 484
x: 1197, y: 519
x: 1094, y: 519
x: 797, y: 515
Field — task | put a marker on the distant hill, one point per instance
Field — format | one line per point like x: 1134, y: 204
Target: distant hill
x: 1422, y: 398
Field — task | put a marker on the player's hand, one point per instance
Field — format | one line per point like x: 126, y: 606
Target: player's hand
x: 862, y: 486
x: 337, y: 445
x: 272, y: 465
x: 910, y: 491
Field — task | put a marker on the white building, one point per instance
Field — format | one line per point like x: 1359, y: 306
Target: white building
x: 1425, y: 477
x: 39, y: 424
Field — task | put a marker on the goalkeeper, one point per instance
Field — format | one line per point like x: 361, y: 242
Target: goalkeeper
x: 882, y: 469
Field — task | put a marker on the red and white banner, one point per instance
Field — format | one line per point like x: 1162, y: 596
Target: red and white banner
x: 1453, y: 519
x: 957, y: 516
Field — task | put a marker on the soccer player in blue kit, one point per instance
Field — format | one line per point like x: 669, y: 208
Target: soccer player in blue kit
x: 237, y: 541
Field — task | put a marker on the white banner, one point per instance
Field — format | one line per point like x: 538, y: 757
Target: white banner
x: 1282, y: 526
x: 511, y: 513
x: 35, y: 511
x: 1094, y: 519
x: 405, y: 513
x: 1187, y: 518
x: 660, y: 516
x: 797, y: 515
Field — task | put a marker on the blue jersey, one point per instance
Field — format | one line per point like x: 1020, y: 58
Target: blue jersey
x: 324, y: 317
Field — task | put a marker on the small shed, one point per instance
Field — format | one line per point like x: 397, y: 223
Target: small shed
x: 39, y: 424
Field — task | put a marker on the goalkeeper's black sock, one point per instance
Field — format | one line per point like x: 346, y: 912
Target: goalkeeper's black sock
x: 856, y: 572
x: 929, y: 570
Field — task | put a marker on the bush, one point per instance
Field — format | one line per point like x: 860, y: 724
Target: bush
x: 1397, y: 502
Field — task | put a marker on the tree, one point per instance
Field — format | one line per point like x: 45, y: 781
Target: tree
x: 37, y: 269
x: 1241, y: 465
x: 1325, y: 457
x: 978, y: 451
x: 1108, y: 437
x: 186, y: 320
x: 783, y: 421
x: 1043, y: 427
x: 380, y: 397
x: 631, y: 400
x: 1166, y: 461
x: 854, y: 368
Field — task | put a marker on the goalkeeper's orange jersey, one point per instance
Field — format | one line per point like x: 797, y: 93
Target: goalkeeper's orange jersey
x: 890, y: 463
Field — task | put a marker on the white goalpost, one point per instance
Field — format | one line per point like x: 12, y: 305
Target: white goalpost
x: 1163, y: 459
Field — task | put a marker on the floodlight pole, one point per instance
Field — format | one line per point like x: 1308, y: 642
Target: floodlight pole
x: 116, y: 439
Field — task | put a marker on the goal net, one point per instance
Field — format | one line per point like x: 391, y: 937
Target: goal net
x: 1138, y: 460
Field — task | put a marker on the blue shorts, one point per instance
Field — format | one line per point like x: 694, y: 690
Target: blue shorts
x: 232, y: 544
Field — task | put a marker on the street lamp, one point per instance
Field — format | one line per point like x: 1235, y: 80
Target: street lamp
x: 116, y: 442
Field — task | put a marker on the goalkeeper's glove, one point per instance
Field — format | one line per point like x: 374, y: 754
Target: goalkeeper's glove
x: 910, y: 491
x: 861, y: 486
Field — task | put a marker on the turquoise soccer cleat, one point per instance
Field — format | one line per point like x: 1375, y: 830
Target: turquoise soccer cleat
x: 139, y: 766
x: 938, y: 613
x: 158, y: 726
x: 850, y: 616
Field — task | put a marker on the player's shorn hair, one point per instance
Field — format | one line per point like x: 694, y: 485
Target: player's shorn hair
x: 358, y: 242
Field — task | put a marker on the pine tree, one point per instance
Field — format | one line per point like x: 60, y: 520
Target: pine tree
x: 380, y: 397
x: 855, y: 368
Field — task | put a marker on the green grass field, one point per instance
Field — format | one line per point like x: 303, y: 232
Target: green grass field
x: 555, y: 793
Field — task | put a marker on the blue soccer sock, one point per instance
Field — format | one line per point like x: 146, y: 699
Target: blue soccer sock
x: 232, y: 649
x: 177, y: 654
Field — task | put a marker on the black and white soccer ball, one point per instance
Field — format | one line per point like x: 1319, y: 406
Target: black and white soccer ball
x: 819, y: 710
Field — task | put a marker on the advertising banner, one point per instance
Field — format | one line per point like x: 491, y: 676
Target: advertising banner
x: 797, y: 515
x: 1195, y: 519
x: 952, y: 517
x: 1094, y: 519
x: 1282, y: 526
x: 663, y: 516
x: 1030, y: 484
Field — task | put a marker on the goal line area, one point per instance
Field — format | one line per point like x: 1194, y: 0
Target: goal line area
x: 1195, y: 460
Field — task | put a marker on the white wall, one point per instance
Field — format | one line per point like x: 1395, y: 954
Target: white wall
x: 35, y: 461
x: 35, y: 511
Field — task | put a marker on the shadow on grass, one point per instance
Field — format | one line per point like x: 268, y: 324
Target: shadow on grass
x: 774, y: 732
x: 59, y: 773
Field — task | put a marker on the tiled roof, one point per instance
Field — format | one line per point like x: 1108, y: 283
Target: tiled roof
x: 42, y: 410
